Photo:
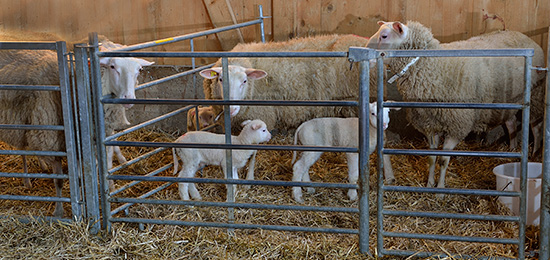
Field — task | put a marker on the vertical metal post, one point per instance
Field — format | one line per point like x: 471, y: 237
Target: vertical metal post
x: 380, y: 155
x: 86, y: 129
x: 68, y: 123
x: 364, y: 157
x: 262, y: 31
x: 228, y: 152
x: 191, y: 43
x: 100, y: 131
x: 544, y: 246
x: 524, y: 154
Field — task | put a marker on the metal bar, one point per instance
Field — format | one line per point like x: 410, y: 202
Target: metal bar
x: 137, y: 159
x: 70, y: 139
x: 262, y: 31
x: 233, y: 226
x: 452, y: 191
x: 432, y: 255
x: 214, y: 54
x: 29, y: 152
x: 234, y: 205
x: 33, y: 127
x: 89, y: 166
x: 109, y: 100
x: 171, y: 77
x: 544, y: 244
x: 227, y: 129
x: 454, y: 105
x: 28, y: 45
x: 453, y: 238
x: 131, y: 184
x: 453, y: 153
x: 34, y: 175
x: 29, y: 87
x: 146, y: 123
x: 146, y: 195
x: 188, y: 36
x: 34, y: 198
x: 380, y: 153
x: 234, y: 181
x: 402, y: 213
x: 235, y: 146
x: 363, y: 181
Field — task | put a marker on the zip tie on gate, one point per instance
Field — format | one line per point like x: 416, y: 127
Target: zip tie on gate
x: 396, y: 76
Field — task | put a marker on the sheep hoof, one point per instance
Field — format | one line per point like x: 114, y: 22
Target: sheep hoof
x: 390, y: 181
x: 352, y: 194
x: 246, y: 187
x: 310, y: 190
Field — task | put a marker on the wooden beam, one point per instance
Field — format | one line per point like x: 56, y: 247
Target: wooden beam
x: 221, y: 14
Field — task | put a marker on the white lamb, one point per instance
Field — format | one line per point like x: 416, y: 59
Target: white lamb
x: 253, y: 132
x: 333, y: 131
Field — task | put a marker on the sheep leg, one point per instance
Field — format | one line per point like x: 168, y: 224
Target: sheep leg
x: 449, y: 144
x: 26, y: 181
x: 512, y: 134
x: 188, y: 188
x: 353, y: 173
x: 120, y: 157
x: 434, y: 143
x: 537, y: 136
x: 388, y: 170
x: 301, y: 173
x: 57, y: 169
x: 110, y: 151
x: 250, y: 172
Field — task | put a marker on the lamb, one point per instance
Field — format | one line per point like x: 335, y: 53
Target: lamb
x: 334, y: 131
x: 206, y: 118
x: 253, y: 132
x: 456, y: 79
x: 288, y: 79
x: 39, y: 67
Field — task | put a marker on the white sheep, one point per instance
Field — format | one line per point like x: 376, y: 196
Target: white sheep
x: 39, y: 67
x: 456, y: 79
x: 334, y: 131
x: 288, y: 79
x: 192, y: 159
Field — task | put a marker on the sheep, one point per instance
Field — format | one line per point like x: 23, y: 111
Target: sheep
x: 456, y: 79
x: 40, y: 67
x: 333, y: 131
x: 288, y: 79
x: 206, y: 118
x: 253, y: 132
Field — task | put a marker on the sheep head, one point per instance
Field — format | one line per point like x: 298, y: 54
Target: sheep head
x: 389, y: 36
x: 238, y: 82
x: 122, y: 76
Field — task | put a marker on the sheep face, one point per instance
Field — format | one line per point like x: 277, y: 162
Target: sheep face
x: 255, y: 131
x: 122, y: 75
x: 238, y: 82
x: 373, y: 113
x: 389, y: 36
x: 206, y: 117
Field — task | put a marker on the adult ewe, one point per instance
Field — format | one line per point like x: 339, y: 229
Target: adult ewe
x: 288, y: 79
x: 456, y: 79
x: 30, y: 67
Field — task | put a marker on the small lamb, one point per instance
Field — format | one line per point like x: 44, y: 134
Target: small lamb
x: 253, y: 132
x: 332, y: 131
x: 206, y: 118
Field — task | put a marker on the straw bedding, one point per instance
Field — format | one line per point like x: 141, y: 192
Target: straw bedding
x: 72, y: 241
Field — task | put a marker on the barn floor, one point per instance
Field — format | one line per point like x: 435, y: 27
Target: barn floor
x: 42, y: 240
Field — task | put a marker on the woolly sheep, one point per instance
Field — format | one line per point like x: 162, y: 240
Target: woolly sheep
x: 192, y: 159
x: 288, y: 79
x: 31, y: 67
x: 334, y: 131
x: 456, y: 79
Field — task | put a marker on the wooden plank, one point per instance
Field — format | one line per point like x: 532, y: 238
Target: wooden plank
x: 219, y: 13
x: 308, y: 18
x: 284, y: 19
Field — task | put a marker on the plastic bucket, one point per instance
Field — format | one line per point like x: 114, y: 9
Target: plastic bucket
x: 508, y: 180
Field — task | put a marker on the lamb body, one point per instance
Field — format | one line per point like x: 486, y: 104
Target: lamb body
x: 36, y: 67
x: 192, y: 158
x: 290, y: 79
x: 336, y: 132
x: 456, y: 79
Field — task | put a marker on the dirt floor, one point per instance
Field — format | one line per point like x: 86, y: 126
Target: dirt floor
x: 126, y: 241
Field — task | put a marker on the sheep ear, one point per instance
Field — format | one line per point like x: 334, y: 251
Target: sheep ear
x: 104, y: 61
x: 255, y: 74
x: 143, y: 62
x: 256, y: 126
x: 381, y: 23
x: 398, y: 27
x: 246, y: 122
x: 192, y: 112
x: 211, y: 73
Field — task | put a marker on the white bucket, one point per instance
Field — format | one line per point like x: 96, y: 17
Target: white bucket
x: 508, y: 180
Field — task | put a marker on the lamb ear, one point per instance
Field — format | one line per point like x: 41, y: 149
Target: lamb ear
x: 256, y: 126
x: 211, y: 73
x: 381, y: 23
x: 246, y: 122
x: 255, y: 74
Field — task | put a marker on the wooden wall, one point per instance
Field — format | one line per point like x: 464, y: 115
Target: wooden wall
x: 134, y: 21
